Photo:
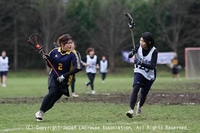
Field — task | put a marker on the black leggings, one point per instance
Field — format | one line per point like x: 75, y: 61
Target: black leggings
x: 49, y: 100
x: 91, y: 77
x: 73, y: 84
x: 134, y: 96
x: 103, y: 76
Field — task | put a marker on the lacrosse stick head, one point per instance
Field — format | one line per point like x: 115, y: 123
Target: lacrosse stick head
x: 131, y: 23
x: 34, y: 40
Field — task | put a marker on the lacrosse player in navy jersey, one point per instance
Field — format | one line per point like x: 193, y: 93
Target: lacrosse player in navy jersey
x: 144, y: 71
x: 92, y: 64
x: 66, y: 62
x: 74, y: 79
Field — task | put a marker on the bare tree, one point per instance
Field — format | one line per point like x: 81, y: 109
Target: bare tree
x: 111, y: 33
x: 172, y: 17
x: 51, y: 20
x: 6, y: 6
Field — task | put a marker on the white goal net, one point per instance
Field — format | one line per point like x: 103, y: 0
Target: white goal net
x: 192, y: 63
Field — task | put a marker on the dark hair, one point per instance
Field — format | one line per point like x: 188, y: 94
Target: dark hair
x: 63, y: 39
x: 89, y: 49
x: 148, y: 38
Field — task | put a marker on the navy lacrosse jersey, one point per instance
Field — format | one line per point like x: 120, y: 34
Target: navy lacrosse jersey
x: 64, y: 62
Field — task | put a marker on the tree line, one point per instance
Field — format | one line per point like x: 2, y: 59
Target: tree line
x: 101, y: 24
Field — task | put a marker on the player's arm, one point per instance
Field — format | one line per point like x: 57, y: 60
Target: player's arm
x: 77, y: 66
x: 152, y: 64
x: 133, y: 51
x: 47, y: 57
x: 84, y: 62
x: 97, y: 64
x: 72, y: 72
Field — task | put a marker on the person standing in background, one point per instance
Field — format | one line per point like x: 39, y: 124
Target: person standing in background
x: 91, y: 64
x: 103, y: 68
x: 175, y: 68
x: 74, y: 78
x: 4, y: 67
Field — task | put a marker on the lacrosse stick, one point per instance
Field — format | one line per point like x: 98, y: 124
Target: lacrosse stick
x: 34, y: 41
x: 131, y: 25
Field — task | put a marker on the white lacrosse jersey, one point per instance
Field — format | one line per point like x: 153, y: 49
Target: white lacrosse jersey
x: 91, y: 68
x: 4, y: 63
x: 103, y: 66
x: 147, y: 73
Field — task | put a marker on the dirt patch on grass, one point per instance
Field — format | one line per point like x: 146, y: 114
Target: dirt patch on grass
x: 153, y: 98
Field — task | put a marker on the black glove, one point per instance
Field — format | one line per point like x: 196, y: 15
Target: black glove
x: 138, y: 61
x: 133, y: 51
x: 45, y: 56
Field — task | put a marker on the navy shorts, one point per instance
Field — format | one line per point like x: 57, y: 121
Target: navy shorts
x: 175, y: 70
x: 53, y: 84
x: 144, y: 83
x: 4, y: 73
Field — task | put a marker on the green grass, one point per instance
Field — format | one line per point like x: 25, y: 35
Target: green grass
x: 84, y: 117
x: 99, y: 117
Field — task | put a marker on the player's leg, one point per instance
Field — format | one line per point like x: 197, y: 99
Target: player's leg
x: 138, y: 79
x: 92, y: 82
x: 177, y: 74
x: 133, y: 100
x: 143, y: 95
x: 105, y: 74
x: 73, y: 87
x: 73, y: 84
x: 103, y: 77
x: 1, y: 76
x: 134, y: 96
x: 89, y: 77
x: 49, y: 100
x: 4, y: 78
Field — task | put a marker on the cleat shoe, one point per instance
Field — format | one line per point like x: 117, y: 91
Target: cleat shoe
x: 39, y: 115
x: 93, y: 92
x: 3, y: 85
x: 129, y: 113
x: 75, y: 95
x: 139, y: 110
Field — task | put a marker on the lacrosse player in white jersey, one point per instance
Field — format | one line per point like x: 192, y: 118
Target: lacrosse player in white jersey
x: 144, y: 71
x: 91, y: 63
x: 103, y: 68
x: 4, y: 68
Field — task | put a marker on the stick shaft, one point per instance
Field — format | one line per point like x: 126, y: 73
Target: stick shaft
x: 52, y: 67
x: 132, y: 36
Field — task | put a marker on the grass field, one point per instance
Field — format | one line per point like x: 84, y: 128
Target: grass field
x: 103, y: 112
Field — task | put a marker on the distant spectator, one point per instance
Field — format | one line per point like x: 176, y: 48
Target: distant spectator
x: 4, y: 68
x: 74, y: 78
x: 103, y: 68
x: 175, y: 68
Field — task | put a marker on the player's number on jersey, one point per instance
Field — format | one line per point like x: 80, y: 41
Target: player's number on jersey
x: 60, y: 66
x: 145, y: 69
